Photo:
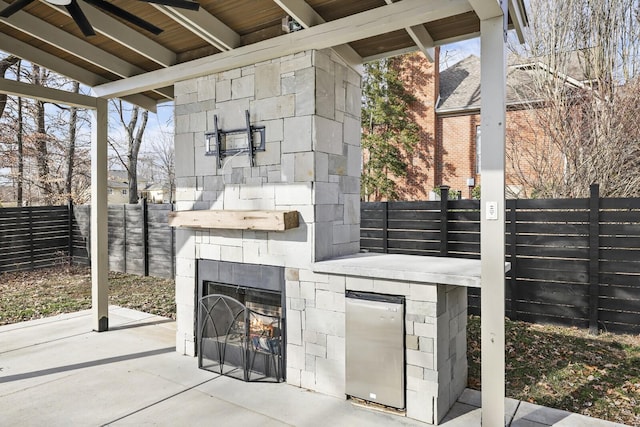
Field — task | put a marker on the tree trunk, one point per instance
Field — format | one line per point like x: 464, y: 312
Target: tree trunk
x: 71, y: 150
x: 135, y: 141
x: 5, y: 64
x: 42, y: 153
x: 20, y: 131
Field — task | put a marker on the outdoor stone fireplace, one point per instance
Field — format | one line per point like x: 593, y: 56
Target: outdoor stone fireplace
x: 308, y: 107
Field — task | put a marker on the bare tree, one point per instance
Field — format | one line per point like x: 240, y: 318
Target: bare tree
x: 20, y: 154
x: 71, y: 151
x: 40, y: 149
x: 42, y: 156
x: 165, y: 161
x: 5, y: 64
x: 586, y: 65
x: 134, y: 121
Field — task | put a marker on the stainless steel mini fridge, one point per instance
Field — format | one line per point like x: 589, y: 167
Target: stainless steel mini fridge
x: 375, y: 361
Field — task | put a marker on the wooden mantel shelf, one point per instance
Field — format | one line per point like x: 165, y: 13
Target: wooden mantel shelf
x: 235, y: 219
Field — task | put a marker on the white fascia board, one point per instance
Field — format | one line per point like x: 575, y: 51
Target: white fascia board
x: 124, y: 35
x: 306, y: 16
x: 51, y: 62
x: 54, y: 36
x: 204, y: 25
x: 381, y: 20
x: 47, y: 94
x: 517, y: 18
x: 486, y: 9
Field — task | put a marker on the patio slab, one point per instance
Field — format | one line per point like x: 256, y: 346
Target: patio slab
x: 56, y: 371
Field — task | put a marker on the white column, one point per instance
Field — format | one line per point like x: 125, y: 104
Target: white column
x: 99, y: 246
x: 492, y: 225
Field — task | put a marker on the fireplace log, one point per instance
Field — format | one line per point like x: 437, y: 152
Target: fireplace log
x: 236, y: 219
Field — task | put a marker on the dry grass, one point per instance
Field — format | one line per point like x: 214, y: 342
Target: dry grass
x: 32, y: 295
x: 568, y: 368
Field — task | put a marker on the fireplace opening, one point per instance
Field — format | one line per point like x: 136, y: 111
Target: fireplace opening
x: 240, y: 329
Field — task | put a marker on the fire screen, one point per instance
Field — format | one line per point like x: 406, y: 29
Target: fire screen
x: 241, y: 337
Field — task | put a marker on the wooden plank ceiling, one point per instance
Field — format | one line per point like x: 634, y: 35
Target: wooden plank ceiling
x: 44, y: 33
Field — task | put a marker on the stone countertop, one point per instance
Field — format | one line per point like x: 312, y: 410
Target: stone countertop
x: 411, y: 268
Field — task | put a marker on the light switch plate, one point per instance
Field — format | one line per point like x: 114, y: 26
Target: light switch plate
x: 492, y: 210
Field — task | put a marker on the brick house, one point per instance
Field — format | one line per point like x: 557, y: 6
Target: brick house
x: 447, y: 110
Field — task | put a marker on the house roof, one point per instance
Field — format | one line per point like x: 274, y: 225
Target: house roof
x: 460, y: 84
x: 119, y: 176
x: 117, y: 184
x: 157, y: 187
x: 223, y: 35
x: 122, y: 177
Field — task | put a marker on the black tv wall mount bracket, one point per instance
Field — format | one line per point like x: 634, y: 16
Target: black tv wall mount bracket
x: 216, y: 141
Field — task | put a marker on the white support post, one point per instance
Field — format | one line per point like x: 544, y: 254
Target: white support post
x: 99, y: 208
x: 492, y: 224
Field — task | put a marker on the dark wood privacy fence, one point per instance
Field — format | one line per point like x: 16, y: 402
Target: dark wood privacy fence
x: 33, y: 237
x: 140, y: 241
x: 574, y: 261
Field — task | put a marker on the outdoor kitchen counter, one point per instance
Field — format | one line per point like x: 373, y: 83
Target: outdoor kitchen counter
x: 410, y: 268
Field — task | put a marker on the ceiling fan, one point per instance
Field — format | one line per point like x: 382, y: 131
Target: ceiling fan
x: 83, y: 23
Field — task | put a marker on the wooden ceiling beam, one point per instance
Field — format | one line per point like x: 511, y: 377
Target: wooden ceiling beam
x: 123, y: 34
x: 306, y: 16
x: 47, y: 94
x: 300, y: 10
x: 390, y: 54
x: 204, y: 25
x: 362, y: 25
x: 421, y: 38
x: 55, y: 63
x: 62, y: 40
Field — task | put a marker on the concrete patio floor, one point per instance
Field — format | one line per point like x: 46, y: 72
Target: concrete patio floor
x: 55, y: 371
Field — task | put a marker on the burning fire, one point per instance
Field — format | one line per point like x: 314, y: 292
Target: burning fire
x: 261, y: 328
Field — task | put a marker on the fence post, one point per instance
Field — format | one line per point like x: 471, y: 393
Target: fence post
x: 124, y: 233
x: 31, y: 248
x: 172, y: 230
x: 513, y: 231
x: 594, y: 252
x: 70, y: 212
x: 385, y: 227
x: 145, y: 235
x: 444, y: 220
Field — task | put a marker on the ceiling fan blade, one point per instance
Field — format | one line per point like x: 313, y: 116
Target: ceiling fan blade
x: 78, y: 15
x: 182, y: 4
x: 121, y: 13
x: 14, y: 7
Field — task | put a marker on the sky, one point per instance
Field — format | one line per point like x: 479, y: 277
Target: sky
x: 452, y: 53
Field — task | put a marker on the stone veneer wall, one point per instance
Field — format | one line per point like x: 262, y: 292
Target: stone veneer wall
x: 310, y: 105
